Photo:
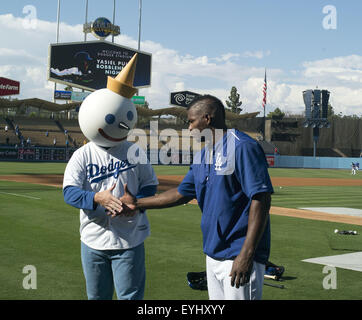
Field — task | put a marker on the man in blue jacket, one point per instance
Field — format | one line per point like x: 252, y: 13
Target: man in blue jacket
x: 230, y: 180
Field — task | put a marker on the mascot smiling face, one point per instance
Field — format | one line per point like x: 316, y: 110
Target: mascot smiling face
x: 107, y: 115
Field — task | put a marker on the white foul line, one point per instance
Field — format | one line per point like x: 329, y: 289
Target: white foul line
x: 20, y: 195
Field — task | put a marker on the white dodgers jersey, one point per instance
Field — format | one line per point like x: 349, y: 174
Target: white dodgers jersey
x: 92, y: 168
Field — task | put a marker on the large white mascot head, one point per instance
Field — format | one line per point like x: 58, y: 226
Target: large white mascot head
x: 107, y: 115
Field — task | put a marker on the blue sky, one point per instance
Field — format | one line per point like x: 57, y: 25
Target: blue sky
x: 208, y: 46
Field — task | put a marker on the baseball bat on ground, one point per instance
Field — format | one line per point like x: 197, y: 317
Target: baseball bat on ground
x: 280, y: 286
x: 268, y: 276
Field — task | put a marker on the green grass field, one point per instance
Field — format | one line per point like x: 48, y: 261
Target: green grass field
x: 37, y: 228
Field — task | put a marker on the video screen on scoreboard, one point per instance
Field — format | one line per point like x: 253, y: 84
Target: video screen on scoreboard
x: 87, y: 65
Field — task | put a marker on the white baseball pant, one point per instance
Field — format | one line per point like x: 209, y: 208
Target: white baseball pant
x: 219, y: 281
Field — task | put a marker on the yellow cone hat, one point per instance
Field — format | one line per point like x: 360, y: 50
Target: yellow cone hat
x: 123, y: 83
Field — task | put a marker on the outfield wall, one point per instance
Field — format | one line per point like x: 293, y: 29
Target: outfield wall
x: 313, y: 162
x: 275, y: 161
x: 46, y: 154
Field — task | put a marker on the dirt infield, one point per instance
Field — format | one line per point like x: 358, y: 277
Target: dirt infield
x: 279, y: 181
x: 170, y: 181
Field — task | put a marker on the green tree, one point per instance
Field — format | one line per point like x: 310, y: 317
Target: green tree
x: 277, y: 114
x: 330, y: 112
x: 234, y: 102
x: 146, y: 105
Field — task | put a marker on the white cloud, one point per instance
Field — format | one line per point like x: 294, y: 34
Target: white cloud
x: 18, y: 56
x: 23, y: 56
x: 259, y: 54
x: 337, y: 72
x: 227, y: 57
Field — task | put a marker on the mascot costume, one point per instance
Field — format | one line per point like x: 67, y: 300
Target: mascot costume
x: 112, y: 250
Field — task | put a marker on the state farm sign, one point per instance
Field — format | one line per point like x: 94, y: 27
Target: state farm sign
x: 9, y: 87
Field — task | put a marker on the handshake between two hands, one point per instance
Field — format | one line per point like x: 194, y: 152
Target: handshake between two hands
x: 125, y: 205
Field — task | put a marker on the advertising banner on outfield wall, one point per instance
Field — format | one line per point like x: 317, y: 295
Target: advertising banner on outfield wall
x: 35, y: 154
x: 9, y: 87
x: 87, y: 65
x: 8, y: 154
x: 270, y: 160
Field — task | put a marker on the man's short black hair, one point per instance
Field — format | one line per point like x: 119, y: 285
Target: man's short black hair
x: 208, y: 104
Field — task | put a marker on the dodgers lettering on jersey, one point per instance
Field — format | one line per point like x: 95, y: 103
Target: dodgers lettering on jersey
x: 97, y: 173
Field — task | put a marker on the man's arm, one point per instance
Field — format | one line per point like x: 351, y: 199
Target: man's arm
x: 169, y: 198
x: 89, y: 200
x: 258, y: 217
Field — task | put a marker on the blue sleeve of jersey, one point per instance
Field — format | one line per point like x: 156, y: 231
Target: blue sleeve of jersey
x: 79, y: 198
x: 187, y: 186
x: 251, y: 169
x: 147, y: 191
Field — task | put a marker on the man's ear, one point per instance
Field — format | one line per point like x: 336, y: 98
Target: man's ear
x: 209, y: 119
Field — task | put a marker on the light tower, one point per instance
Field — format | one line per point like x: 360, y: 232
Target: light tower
x: 316, y: 112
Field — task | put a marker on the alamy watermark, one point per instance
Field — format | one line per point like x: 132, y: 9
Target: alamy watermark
x: 330, y: 280
x: 330, y: 20
x: 30, y: 280
x: 30, y: 20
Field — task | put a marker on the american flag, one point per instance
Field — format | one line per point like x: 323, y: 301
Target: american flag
x: 264, y: 91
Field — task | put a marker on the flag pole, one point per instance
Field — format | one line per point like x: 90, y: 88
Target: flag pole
x: 58, y: 21
x: 264, y: 103
x: 57, y: 39
x: 139, y: 23
x: 86, y: 19
x: 114, y: 17
x: 139, y: 30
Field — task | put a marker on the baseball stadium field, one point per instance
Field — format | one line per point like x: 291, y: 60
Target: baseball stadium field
x: 38, y: 229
